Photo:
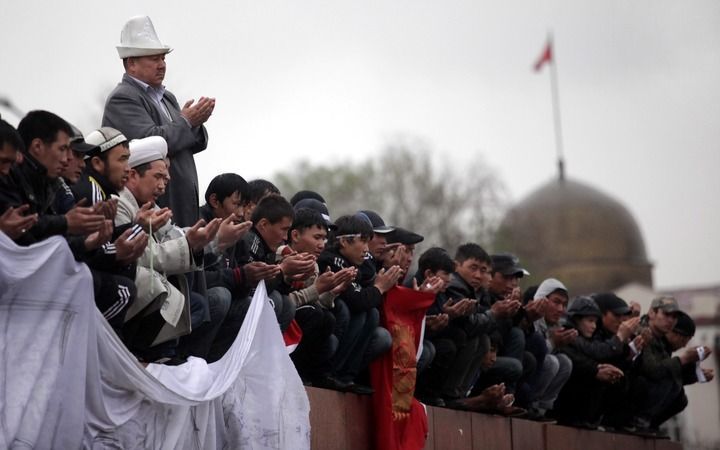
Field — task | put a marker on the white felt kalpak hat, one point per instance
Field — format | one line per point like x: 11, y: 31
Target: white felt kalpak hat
x: 138, y: 38
x: 145, y: 150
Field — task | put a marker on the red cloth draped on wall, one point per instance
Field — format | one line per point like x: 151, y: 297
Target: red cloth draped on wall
x: 400, y: 420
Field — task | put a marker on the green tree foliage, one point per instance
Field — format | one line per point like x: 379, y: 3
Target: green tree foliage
x: 448, y: 205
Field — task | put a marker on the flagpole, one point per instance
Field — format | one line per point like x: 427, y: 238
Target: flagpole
x: 556, y: 110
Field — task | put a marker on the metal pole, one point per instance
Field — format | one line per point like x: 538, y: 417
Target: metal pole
x: 556, y: 110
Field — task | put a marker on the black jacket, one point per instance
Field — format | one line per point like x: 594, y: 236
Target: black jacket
x: 656, y: 362
x: 358, y: 298
x: 92, y: 186
x: 225, y: 270
x: 254, y: 248
x: 29, y: 184
x: 602, y: 348
x: 479, y: 322
x: 64, y: 198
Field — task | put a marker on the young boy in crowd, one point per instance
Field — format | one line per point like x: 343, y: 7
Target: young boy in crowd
x: 362, y: 339
x: 272, y: 219
x: 434, y: 262
x: 223, y: 200
x: 470, y: 320
x: 579, y: 403
x: 256, y: 191
x: 314, y: 297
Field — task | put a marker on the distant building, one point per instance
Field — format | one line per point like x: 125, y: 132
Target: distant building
x: 573, y: 232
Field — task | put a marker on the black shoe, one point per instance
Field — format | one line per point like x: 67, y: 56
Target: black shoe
x: 641, y: 427
x: 582, y: 424
x: 660, y: 434
x: 626, y: 429
x: 330, y: 382
x: 537, y: 416
x: 432, y: 401
x: 651, y: 432
x: 455, y: 403
x: 360, y: 389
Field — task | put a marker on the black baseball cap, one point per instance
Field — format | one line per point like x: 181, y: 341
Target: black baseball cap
x: 376, y: 221
x: 608, y: 301
x: 507, y: 264
x: 318, y: 206
x: 583, y: 306
x: 684, y: 325
x: 77, y: 142
x: 302, y: 195
x: 402, y: 236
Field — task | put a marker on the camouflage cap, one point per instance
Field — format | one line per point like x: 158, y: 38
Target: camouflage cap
x: 666, y: 303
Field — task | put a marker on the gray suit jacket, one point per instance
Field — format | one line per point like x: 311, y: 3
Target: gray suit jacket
x: 131, y: 110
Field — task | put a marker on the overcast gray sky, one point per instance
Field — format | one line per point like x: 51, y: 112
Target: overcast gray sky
x: 333, y: 80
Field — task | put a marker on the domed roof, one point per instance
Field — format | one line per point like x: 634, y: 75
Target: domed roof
x: 573, y: 232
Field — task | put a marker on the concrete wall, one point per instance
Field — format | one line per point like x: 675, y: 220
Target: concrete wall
x: 344, y: 422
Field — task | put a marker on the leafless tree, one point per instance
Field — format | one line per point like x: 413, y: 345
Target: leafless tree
x: 446, y: 204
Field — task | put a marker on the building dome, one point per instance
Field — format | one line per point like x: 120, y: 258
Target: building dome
x: 573, y: 232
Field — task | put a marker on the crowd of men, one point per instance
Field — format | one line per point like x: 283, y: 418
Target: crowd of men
x: 174, y: 279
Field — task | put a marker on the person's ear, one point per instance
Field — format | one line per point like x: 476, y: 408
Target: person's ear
x: 213, y: 201
x: 262, y: 224
x: 427, y: 274
x: 36, y: 147
x: 294, y: 236
x: 97, y: 164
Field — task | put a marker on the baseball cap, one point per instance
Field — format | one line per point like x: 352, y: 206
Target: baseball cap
x: 507, y: 264
x: 608, y: 301
x: 305, y: 194
x: 376, y: 221
x: 77, y: 141
x: 684, y: 325
x: 583, y: 306
x: 667, y: 304
x: 402, y: 236
x: 318, y: 206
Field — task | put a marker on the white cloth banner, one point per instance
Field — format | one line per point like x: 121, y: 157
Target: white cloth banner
x: 67, y: 382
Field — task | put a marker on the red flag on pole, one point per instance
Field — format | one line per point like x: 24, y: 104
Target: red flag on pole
x: 546, y: 56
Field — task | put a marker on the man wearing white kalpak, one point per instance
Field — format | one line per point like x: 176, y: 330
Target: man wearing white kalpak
x: 170, y: 251
x: 140, y: 106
